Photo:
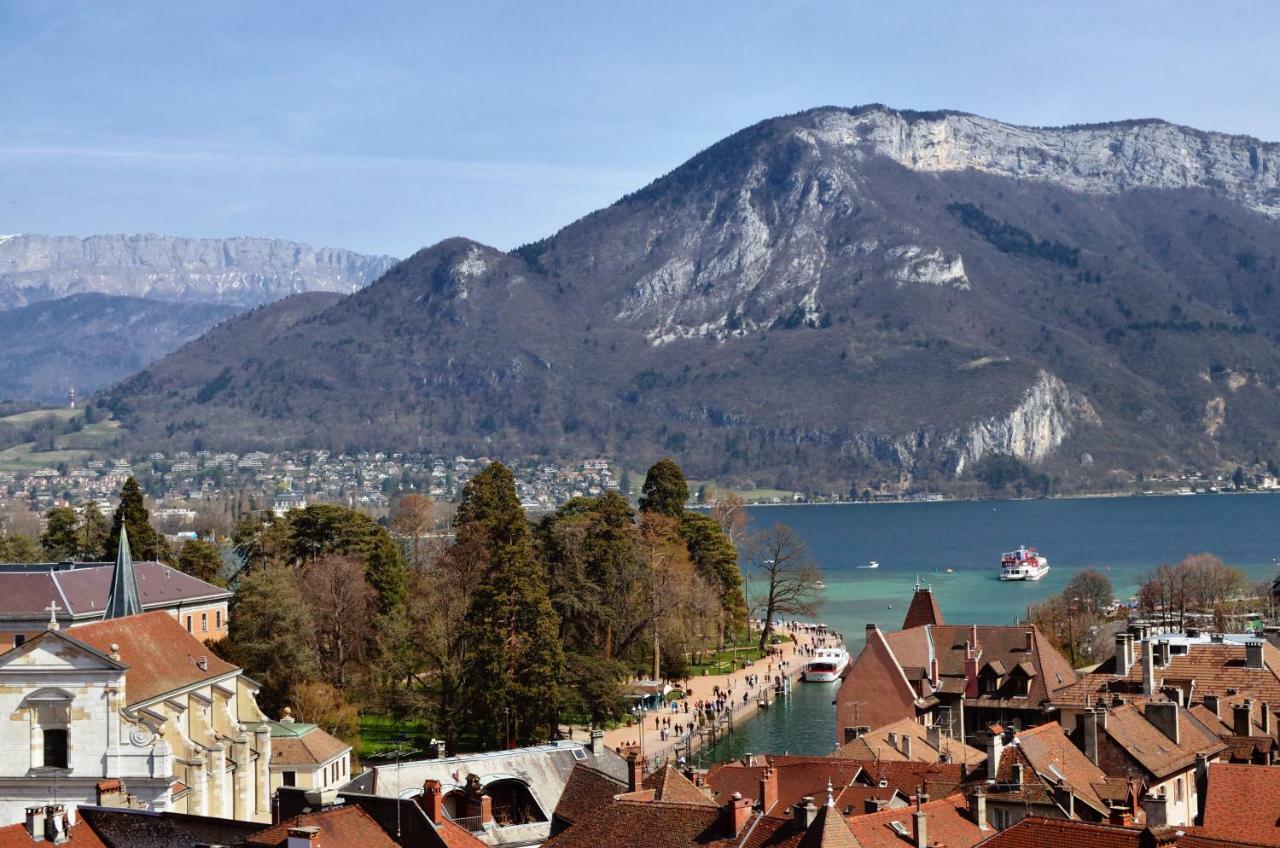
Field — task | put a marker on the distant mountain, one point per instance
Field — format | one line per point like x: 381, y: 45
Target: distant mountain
x: 242, y: 272
x: 88, y: 341
x: 843, y: 297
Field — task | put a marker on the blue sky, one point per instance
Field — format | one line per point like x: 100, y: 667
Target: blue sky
x: 385, y: 129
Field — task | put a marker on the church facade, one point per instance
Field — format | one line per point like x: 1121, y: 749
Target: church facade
x: 130, y: 711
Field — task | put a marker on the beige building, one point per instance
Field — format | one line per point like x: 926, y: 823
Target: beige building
x: 304, y: 756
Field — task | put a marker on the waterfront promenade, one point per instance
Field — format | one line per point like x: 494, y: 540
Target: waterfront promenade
x: 647, y: 737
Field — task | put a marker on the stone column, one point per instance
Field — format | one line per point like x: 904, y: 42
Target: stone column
x: 243, y: 803
x: 199, y: 780
x: 217, y: 769
x: 262, y: 742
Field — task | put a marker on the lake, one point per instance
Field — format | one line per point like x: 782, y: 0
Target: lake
x: 1122, y: 537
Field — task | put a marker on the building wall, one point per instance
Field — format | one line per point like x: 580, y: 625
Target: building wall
x: 215, y: 620
x: 314, y: 776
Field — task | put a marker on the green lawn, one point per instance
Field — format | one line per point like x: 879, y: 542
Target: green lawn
x: 61, y: 413
x: 382, y: 733
x: 72, y: 448
x: 722, y: 662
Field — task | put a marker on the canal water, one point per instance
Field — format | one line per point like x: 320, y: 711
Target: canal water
x: 1122, y: 537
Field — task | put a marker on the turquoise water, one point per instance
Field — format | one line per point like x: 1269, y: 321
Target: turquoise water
x: 1122, y: 537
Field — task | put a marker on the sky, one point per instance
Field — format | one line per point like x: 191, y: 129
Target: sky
x: 384, y: 127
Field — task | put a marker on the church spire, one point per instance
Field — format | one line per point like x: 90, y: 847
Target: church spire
x: 122, y: 598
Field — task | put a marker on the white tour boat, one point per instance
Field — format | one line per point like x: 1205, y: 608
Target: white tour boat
x: 1023, y: 564
x: 826, y: 665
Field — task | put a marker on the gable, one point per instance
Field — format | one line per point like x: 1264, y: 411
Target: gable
x: 53, y: 652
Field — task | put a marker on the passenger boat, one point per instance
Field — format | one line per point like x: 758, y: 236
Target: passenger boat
x: 1023, y: 564
x: 826, y: 665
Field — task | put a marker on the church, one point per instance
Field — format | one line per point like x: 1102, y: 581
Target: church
x: 130, y: 711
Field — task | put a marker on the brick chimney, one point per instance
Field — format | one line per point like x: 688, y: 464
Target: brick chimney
x: 1241, y: 714
x: 304, y: 837
x: 736, y: 814
x: 769, y: 789
x: 635, y: 772
x: 433, y: 800
x: 486, y: 810
x: 1164, y: 715
x: 804, y: 812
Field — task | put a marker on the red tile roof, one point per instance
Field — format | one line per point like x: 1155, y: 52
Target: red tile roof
x: 947, y: 823
x: 1243, y: 802
x: 315, y: 747
x: 876, y: 744
x: 798, y: 777
x: 15, y: 836
x: 1036, y: 832
x: 1129, y: 728
x: 668, y: 784
x: 923, y: 610
x: 586, y: 791
x: 1046, y: 749
x: 160, y: 654
x: 338, y: 826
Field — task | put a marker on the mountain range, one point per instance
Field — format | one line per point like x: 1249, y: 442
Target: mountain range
x: 841, y: 297
x: 85, y: 312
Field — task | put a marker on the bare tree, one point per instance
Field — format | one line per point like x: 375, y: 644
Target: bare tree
x: 730, y: 512
x: 782, y: 575
x: 413, y: 517
x: 341, y: 603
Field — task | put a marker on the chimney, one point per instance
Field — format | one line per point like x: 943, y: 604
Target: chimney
x: 597, y: 742
x: 973, y: 638
x: 1201, y: 784
x: 1031, y: 640
x: 1164, y: 715
x: 635, y: 772
x: 978, y: 808
x: 486, y: 810
x: 918, y: 828
x: 1094, y: 723
x: 35, y: 823
x: 1265, y: 720
x: 433, y: 800
x: 871, y: 628
x: 1123, y: 659
x: 906, y: 745
x: 934, y: 735
x: 933, y: 672
x: 769, y: 789
x: 1166, y: 653
x: 203, y: 663
x: 970, y: 671
x: 736, y: 814
x: 1156, y: 812
x: 874, y: 805
x: 1211, y: 702
x: 1148, y: 669
x: 994, y: 748
x: 304, y: 837
x: 56, y: 824
x: 1120, y: 816
x: 441, y: 748
x: 1241, y: 718
x: 805, y: 812
x: 1253, y: 653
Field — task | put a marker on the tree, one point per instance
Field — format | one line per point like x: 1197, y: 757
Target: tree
x: 144, y: 542
x: 61, y: 537
x: 515, y: 657
x: 780, y: 560
x: 1237, y: 478
x: 1091, y: 589
x: 17, y: 548
x: 202, y: 560
x: 730, y: 512
x: 320, y: 703
x: 716, y: 560
x: 342, y: 605
x: 269, y: 634
x: 95, y: 534
x: 665, y: 490
x: 413, y: 518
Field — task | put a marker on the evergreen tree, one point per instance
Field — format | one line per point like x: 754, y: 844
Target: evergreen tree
x: 95, y: 534
x: 665, y: 490
x: 19, y: 549
x: 202, y: 560
x: 269, y: 634
x: 514, y: 652
x: 144, y: 542
x: 716, y: 559
x: 61, y: 538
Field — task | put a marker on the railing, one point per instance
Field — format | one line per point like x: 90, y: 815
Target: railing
x: 475, y: 824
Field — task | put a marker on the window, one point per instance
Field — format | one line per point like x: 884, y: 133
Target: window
x: 1177, y: 791
x: 188, y: 624
x: 19, y: 639
x: 289, y: 778
x: 55, y: 748
x: 218, y: 620
x: 204, y: 622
